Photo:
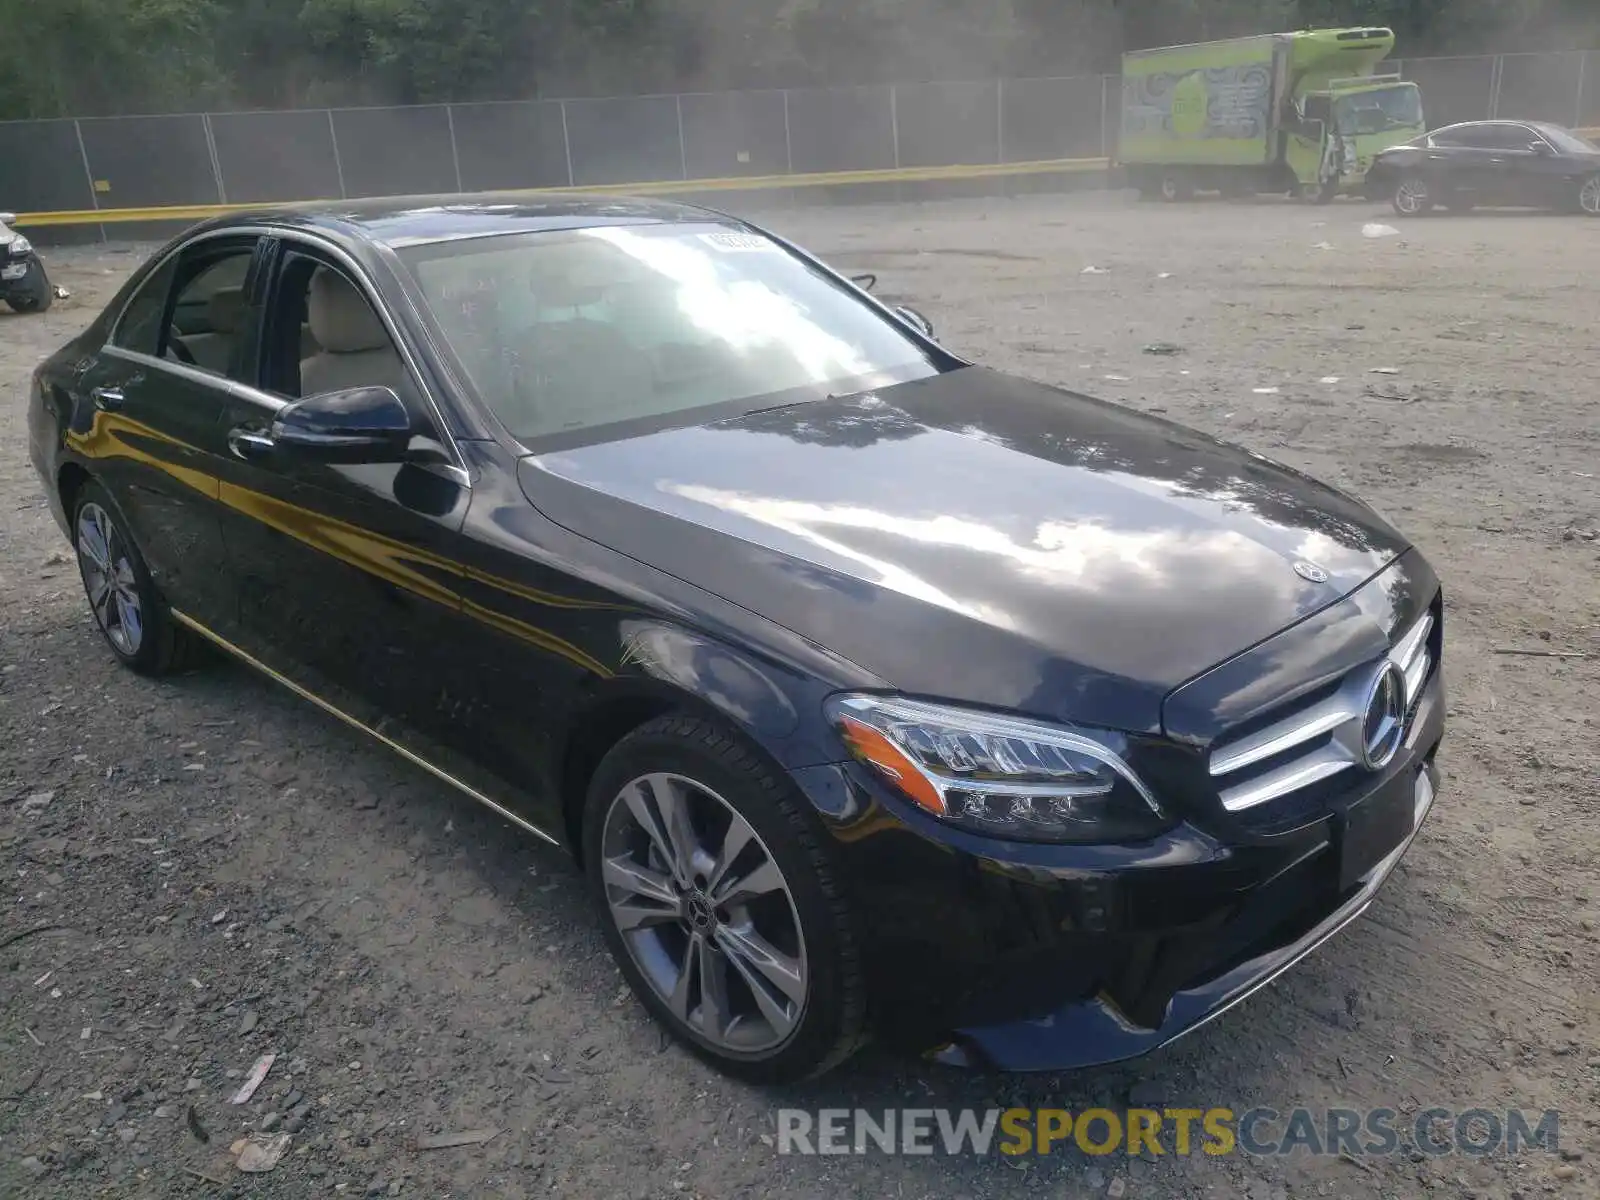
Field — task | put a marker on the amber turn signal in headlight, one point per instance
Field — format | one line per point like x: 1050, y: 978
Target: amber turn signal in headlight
x: 999, y: 775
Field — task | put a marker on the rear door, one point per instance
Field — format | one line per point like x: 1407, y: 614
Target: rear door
x: 346, y: 581
x: 150, y: 417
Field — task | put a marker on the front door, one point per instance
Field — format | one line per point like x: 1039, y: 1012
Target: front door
x: 345, y: 581
x: 151, y: 412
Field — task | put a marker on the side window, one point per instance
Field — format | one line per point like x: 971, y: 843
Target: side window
x: 140, y: 325
x: 1450, y: 137
x: 210, y: 316
x: 1505, y: 137
x: 324, y: 335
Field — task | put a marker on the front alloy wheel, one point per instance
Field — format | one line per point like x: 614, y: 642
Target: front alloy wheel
x: 1176, y: 188
x: 1412, y: 197
x: 720, y: 901
x: 705, y: 912
x: 1589, y: 196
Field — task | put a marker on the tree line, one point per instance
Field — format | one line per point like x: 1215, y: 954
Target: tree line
x: 101, y: 57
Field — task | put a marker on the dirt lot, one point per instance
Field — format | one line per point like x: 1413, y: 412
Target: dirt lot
x: 231, y: 873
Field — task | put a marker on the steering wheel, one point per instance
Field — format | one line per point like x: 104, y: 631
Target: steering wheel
x: 179, y: 351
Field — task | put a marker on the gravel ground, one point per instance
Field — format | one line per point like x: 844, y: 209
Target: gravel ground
x: 226, y: 872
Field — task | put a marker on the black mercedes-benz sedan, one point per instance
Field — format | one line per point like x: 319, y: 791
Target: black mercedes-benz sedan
x: 873, y: 690
x: 1511, y: 164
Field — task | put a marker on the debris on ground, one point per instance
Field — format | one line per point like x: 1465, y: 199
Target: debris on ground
x: 1330, y: 379
x: 253, y: 1080
x: 1324, y: 246
x: 1375, y: 229
x: 260, y: 1151
x: 1266, y: 391
x: 465, y: 1137
x: 1385, y: 371
x: 1163, y: 348
x: 1094, y: 271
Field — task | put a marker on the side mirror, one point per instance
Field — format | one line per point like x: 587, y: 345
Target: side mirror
x: 916, y: 320
x: 1542, y: 149
x: 355, y: 425
x: 865, y: 282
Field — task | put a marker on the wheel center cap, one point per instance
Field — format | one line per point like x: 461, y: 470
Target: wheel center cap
x: 699, y: 912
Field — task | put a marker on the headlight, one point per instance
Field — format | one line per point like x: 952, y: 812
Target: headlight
x: 20, y: 245
x: 1007, y: 777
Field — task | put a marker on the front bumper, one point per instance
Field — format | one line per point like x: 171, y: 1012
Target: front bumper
x: 1094, y: 1032
x: 18, y: 275
x: 1016, y: 957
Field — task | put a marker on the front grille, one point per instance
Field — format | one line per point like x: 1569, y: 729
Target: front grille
x: 1322, y: 736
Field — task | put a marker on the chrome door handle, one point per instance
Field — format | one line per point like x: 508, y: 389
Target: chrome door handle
x: 108, y: 399
x: 249, y: 443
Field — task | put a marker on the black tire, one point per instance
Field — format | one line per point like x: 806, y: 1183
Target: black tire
x: 163, y: 647
x: 832, y: 1021
x: 35, y: 294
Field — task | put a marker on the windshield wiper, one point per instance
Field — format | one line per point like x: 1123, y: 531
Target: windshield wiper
x: 750, y: 412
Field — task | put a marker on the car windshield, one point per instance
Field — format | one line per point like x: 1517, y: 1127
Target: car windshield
x: 1566, y: 141
x: 1379, y: 111
x: 574, y: 330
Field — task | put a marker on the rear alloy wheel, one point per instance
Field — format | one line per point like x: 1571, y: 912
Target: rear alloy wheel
x: 719, y: 903
x: 126, y: 606
x: 1589, y: 196
x: 1412, y: 197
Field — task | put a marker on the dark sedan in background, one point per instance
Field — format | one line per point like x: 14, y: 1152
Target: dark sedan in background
x: 1527, y: 164
x: 873, y: 690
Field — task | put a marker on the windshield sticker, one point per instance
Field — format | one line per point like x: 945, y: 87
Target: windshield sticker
x: 730, y: 242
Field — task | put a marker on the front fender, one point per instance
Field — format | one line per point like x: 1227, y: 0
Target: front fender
x: 720, y: 676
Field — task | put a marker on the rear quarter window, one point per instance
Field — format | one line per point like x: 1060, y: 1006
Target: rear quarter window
x: 140, y: 326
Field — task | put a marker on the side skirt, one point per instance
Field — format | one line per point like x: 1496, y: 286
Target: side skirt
x: 409, y: 755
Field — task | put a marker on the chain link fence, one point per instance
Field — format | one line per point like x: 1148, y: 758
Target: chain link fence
x: 263, y: 157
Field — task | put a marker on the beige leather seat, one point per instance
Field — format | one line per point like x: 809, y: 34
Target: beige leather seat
x: 225, y: 313
x: 355, y: 350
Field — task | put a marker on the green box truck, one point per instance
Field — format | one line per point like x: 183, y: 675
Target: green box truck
x: 1284, y: 112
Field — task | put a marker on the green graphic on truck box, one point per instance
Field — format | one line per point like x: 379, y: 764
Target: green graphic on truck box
x: 1303, y: 111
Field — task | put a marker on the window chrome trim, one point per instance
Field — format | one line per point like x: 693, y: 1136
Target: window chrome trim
x: 374, y: 297
x: 209, y: 235
x: 222, y: 383
x: 347, y: 263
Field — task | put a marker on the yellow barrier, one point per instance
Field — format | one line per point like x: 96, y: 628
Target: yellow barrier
x: 199, y: 212
x: 669, y: 187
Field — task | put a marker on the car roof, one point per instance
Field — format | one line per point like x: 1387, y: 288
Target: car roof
x: 412, y: 220
x: 1540, y: 125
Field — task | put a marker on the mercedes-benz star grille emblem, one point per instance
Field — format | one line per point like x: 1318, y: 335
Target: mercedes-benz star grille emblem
x: 1383, y: 728
x: 1310, y: 571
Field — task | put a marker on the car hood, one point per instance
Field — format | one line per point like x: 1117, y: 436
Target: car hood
x: 980, y: 538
